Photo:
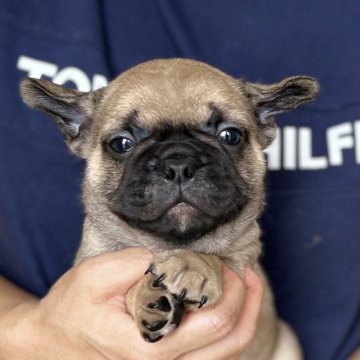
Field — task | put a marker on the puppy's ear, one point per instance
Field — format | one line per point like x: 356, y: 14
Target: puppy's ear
x: 72, y: 110
x: 269, y: 100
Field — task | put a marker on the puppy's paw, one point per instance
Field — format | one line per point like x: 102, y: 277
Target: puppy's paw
x: 191, y: 278
x: 176, y: 281
x: 159, y: 313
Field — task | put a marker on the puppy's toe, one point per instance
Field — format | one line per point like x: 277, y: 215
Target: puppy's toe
x: 160, y: 317
x: 190, y: 279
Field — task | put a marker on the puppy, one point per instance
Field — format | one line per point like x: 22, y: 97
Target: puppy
x: 175, y: 163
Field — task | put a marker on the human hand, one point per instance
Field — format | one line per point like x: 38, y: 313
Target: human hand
x: 84, y: 317
x: 355, y: 355
x: 238, y: 317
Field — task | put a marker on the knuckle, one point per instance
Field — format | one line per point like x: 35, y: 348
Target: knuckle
x: 259, y: 284
x: 221, y: 324
x: 261, y: 287
x: 247, y: 337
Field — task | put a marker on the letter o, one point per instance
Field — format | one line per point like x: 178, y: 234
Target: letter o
x: 75, y: 75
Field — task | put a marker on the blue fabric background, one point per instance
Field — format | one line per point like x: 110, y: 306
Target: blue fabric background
x: 311, y: 225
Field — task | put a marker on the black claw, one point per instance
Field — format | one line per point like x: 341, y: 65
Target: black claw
x: 151, y: 339
x: 161, y: 304
x: 150, y: 269
x: 203, y: 301
x: 183, y: 295
x: 159, y: 280
x: 155, y: 326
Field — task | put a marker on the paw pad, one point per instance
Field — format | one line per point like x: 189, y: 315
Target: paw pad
x: 152, y: 339
x: 161, y: 304
x: 155, y: 326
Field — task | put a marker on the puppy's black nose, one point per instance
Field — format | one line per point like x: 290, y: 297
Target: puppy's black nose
x: 178, y: 169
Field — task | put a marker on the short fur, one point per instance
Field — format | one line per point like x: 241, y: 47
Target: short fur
x: 180, y: 191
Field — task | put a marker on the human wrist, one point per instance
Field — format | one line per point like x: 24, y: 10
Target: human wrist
x: 18, y: 332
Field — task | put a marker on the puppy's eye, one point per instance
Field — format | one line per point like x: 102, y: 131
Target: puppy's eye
x: 230, y: 136
x: 121, y: 144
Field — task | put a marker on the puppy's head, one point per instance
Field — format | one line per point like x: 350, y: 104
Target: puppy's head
x: 173, y: 147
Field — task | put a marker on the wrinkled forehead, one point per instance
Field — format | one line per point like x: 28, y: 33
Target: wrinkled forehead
x: 173, y: 96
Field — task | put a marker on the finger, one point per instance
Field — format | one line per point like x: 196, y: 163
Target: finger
x: 355, y: 355
x: 255, y: 295
x: 114, y: 273
x: 198, y: 328
x: 242, y: 334
x: 204, y: 327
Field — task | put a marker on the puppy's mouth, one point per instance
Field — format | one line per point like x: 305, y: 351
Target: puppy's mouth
x: 182, y: 209
x: 179, y: 223
x: 179, y: 215
x: 182, y: 213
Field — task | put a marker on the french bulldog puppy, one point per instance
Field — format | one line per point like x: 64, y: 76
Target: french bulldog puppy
x: 175, y: 163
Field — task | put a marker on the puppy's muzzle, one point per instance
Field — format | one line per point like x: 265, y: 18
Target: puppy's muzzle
x: 178, y: 163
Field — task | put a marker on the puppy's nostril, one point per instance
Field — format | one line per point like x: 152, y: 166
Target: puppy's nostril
x: 178, y: 172
x: 188, y: 172
x: 170, y: 173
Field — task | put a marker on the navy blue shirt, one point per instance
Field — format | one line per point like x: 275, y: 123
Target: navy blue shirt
x: 311, y: 224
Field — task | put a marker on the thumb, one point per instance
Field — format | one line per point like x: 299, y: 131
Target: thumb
x: 114, y: 273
